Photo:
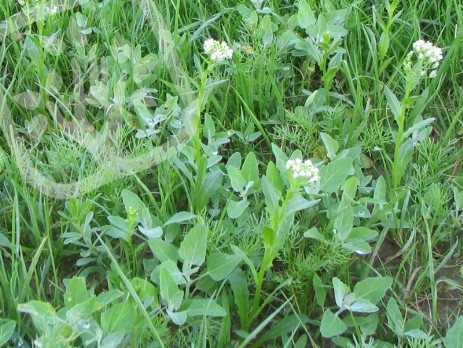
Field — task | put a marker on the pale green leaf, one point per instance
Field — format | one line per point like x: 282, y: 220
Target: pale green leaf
x: 220, y: 265
x: 132, y: 202
x: 314, y: 234
x: 362, y: 306
x: 235, y: 209
x: 340, y: 291
x: 393, y: 102
x: 193, y: 247
x: 179, y: 318
x: 305, y: 15
x: 171, y: 295
x: 236, y: 179
x: 454, y: 336
x: 202, y: 307
x: 394, y: 317
x: 331, y: 145
x: 250, y: 170
x: 163, y: 250
x: 180, y: 217
x: 320, y: 290
x: 334, y: 174
x: 373, y: 289
x: 331, y: 325
x: 6, y: 330
x: 119, y: 318
x: 271, y: 197
x: 76, y: 292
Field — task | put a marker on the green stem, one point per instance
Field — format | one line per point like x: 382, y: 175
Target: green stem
x: 199, y: 110
x: 270, y: 253
x: 326, y: 83
x: 396, y: 176
x: 260, y: 280
x: 396, y: 170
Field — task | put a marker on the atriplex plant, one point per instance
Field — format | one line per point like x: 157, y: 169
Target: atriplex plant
x: 421, y: 63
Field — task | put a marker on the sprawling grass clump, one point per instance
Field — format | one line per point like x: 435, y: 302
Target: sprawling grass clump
x: 223, y: 173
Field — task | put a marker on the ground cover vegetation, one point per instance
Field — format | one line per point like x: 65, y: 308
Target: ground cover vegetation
x: 289, y: 176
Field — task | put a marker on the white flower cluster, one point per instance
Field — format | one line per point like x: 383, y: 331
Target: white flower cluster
x: 303, y: 169
x: 52, y: 10
x: 217, y: 51
x: 428, y: 55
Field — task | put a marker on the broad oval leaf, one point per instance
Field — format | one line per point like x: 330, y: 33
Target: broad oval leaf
x: 202, y: 307
x: 170, y: 293
x: 118, y: 318
x: 179, y: 318
x: 163, y: 250
x: 235, y: 209
x: 454, y: 336
x: 76, y: 292
x: 151, y: 233
x: 331, y: 325
x: 180, y: 217
x: 132, y: 202
x: 340, y: 291
x: 193, y: 247
x: 362, y: 306
x: 373, y: 289
x: 334, y: 174
x: 220, y: 265
x: 6, y: 331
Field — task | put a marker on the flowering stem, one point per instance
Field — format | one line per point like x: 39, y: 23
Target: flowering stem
x: 271, y: 251
x: 396, y: 176
x: 396, y: 169
x: 199, y: 109
x: 427, y: 58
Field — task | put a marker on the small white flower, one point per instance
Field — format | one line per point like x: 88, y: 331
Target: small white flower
x: 51, y: 10
x: 208, y: 44
x: 217, y: 51
x: 428, y: 57
x: 303, y: 169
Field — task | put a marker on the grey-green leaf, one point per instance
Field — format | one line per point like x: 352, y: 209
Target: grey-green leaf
x: 334, y: 174
x: 250, y: 170
x: 237, y: 181
x: 271, y: 196
x: 362, y: 306
x: 373, y: 289
x: 235, y: 209
x: 454, y: 336
x: 331, y: 325
x: 180, y: 217
x: 118, y: 318
x: 6, y: 331
x: 76, y: 292
x: 202, y: 307
x: 170, y: 293
x: 340, y: 291
x: 394, y: 317
x: 393, y: 103
x: 220, y: 265
x: 163, y: 250
x: 331, y: 145
x: 132, y: 202
x: 305, y: 15
x: 193, y: 247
